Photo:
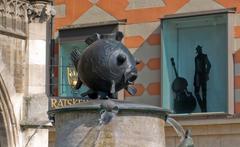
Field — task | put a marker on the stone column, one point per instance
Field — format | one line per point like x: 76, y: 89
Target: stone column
x: 37, y: 58
x: 36, y: 101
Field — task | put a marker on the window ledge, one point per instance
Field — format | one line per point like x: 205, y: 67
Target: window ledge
x: 209, y: 118
x: 205, y: 114
x: 35, y: 124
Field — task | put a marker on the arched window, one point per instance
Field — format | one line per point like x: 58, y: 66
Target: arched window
x: 8, y: 129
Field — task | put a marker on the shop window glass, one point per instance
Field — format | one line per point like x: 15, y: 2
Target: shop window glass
x: 181, y: 36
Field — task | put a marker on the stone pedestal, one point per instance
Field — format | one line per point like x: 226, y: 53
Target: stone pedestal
x: 134, y: 125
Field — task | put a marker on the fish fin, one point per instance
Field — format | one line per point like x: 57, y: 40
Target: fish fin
x: 119, y: 36
x: 137, y: 61
x: 91, y: 94
x: 112, y: 95
x: 75, y: 56
x: 86, y: 93
x: 93, y: 38
x: 131, y: 90
x: 113, y: 87
x: 79, y: 84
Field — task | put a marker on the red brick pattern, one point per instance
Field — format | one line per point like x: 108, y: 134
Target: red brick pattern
x: 237, y: 107
x: 117, y: 8
x: 140, y: 66
x: 154, y: 39
x: 237, y: 82
x: 154, y: 64
x: 230, y: 4
x: 237, y: 32
x: 237, y: 57
x: 74, y: 9
x: 58, y: 2
x: 154, y: 88
x: 133, y: 41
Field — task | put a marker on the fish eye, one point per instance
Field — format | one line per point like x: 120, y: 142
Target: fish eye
x: 121, y: 59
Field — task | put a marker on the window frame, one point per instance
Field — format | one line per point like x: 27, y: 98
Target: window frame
x: 230, y: 50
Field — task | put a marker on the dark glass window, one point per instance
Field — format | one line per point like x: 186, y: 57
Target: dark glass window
x: 180, y: 37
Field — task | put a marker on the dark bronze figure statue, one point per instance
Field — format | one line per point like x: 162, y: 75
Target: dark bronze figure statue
x: 105, y: 66
x: 184, y: 101
x: 202, y: 69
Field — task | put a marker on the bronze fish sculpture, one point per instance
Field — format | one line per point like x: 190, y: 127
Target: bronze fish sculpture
x: 105, y: 66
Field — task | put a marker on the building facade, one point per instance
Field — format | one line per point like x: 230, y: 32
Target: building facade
x: 23, y: 47
x: 154, y: 31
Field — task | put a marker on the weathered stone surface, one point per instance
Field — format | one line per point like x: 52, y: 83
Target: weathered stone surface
x: 132, y: 126
x: 17, y: 61
x: 81, y: 129
x: 36, y: 107
x: 208, y: 135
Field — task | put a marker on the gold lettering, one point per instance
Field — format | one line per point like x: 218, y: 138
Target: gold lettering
x: 64, y: 102
x: 54, y: 103
x: 75, y: 101
x: 60, y: 103
x: 69, y: 102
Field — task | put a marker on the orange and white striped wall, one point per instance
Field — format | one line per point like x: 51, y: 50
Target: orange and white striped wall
x: 142, y: 33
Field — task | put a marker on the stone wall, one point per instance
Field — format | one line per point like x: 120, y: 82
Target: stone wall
x: 13, y: 40
x: 13, y: 24
x: 23, y: 35
x: 13, y: 53
x: 208, y: 135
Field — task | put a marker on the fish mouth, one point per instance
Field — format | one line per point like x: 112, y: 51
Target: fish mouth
x: 131, y: 77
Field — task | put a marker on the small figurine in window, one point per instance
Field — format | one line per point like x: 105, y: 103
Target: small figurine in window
x: 202, y: 69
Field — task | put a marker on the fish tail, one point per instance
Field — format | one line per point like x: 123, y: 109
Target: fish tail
x: 75, y: 56
x: 93, y: 38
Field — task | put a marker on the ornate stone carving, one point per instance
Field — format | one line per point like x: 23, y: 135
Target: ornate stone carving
x: 2, y: 11
x: 40, y: 12
x: 2, y: 7
x: 10, y: 20
x: 13, y: 15
x: 21, y: 18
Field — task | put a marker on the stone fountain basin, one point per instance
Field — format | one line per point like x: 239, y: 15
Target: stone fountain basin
x: 135, y: 125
